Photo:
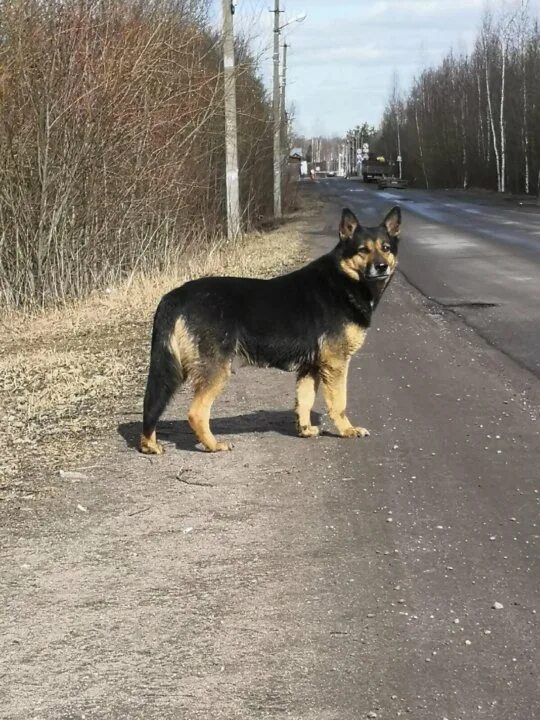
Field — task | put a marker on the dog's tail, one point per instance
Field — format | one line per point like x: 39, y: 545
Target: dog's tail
x: 166, y: 372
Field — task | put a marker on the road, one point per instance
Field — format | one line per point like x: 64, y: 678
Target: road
x: 321, y: 579
x: 480, y: 258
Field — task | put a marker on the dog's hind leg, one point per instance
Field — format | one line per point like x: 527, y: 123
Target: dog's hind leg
x: 160, y: 388
x: 306, y: 390
x: 207, y: 389
x: 164, y: 377
x: 334, y: 377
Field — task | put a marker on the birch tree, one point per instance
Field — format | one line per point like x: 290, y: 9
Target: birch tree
x: 474, y: 119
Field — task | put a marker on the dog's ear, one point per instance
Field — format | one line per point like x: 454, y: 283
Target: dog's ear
x: 392, y: 222
x: 348, y: 224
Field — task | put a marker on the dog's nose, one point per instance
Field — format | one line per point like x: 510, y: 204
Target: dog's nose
x: 381, y: 267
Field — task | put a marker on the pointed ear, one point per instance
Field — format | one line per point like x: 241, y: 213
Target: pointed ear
x: 392, y: 222
x: 348, y: 224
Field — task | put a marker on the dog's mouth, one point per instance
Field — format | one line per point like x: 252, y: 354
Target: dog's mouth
x: 378, y: 276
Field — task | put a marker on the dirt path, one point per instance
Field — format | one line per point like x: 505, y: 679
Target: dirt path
x: 312, y: 579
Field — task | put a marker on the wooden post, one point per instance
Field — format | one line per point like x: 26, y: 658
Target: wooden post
x: 277, y: 117
x: 231, y: 135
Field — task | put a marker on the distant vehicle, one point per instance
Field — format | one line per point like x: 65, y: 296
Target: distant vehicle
x: 331, y: 173
x: 375, y: 168
x: 392, y: 182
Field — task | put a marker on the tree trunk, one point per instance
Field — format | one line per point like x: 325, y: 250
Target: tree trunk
x: 399, y: 147
x: 502, y: 187
x: 493, y: 133
x: 525, y: 125
x: 465, y: 173
x: 481, y: 135
x: 492, y: 122
x: 525, y: 133
x: 420, y: 149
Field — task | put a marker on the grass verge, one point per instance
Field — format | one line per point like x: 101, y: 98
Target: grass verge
x: 67, y: 376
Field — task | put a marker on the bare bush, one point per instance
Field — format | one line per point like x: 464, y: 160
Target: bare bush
x: 111, y: 141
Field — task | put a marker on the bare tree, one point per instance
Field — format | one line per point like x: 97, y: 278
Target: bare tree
x: 475, y: 119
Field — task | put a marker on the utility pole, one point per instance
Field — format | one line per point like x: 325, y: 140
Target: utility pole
x: 284, y: 84
x: 277, y: 117
x: 231, y: 135
x: 283, y: 113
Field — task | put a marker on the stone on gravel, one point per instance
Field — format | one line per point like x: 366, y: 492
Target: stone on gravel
x: 72, y: 475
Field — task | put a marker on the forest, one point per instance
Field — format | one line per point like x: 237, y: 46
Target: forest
x: 474, y: 120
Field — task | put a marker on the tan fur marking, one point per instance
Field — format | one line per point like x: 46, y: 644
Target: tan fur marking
x: 355, y: 266
x: 335, y: 358
x: 306, y: 390
x: 206, y: 391
x: 183, y: 347
x: 339, y: 347
x: 348, y: 267
x: 149, y: 445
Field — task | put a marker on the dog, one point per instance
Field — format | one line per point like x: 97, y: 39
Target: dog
x: 310, y: 321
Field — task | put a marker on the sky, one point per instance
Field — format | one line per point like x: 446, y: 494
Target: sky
x: 343, y: 57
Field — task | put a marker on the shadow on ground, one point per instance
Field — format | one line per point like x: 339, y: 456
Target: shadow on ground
x: 179, y: 432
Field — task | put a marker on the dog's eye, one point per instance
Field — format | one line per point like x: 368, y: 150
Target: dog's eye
x: 386, y: 247
x: 363, y: 250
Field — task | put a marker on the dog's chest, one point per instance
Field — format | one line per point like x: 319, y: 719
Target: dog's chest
x: 344, y: 344
x: 353, y: 337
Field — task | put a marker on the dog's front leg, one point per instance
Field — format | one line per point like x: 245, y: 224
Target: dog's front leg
x: 334, y: 377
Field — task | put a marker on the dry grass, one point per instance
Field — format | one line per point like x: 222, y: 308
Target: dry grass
x: 68, y: 376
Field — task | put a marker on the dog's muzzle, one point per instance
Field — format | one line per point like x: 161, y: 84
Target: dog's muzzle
x: 378, y: 271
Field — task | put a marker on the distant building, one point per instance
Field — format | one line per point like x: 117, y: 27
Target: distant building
x: 296, y: 155
x: 295, y: 163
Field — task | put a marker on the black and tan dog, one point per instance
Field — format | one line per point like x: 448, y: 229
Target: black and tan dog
x: 310, y: 322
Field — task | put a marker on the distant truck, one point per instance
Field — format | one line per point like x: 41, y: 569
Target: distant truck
x: 375, y: 168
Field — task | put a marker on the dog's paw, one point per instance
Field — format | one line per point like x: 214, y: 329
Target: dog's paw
x: 149, y: 446
x: 308, y: 430
x: 355, y: 432
x: 220, y: 447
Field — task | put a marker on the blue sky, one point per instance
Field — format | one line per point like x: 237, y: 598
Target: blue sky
x: 343, y: 57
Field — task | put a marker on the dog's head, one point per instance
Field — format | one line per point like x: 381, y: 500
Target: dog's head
x: 369, y: 253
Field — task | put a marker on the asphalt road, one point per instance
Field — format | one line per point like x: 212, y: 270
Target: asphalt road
x: 480, y: 257
x: 314, y: 579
